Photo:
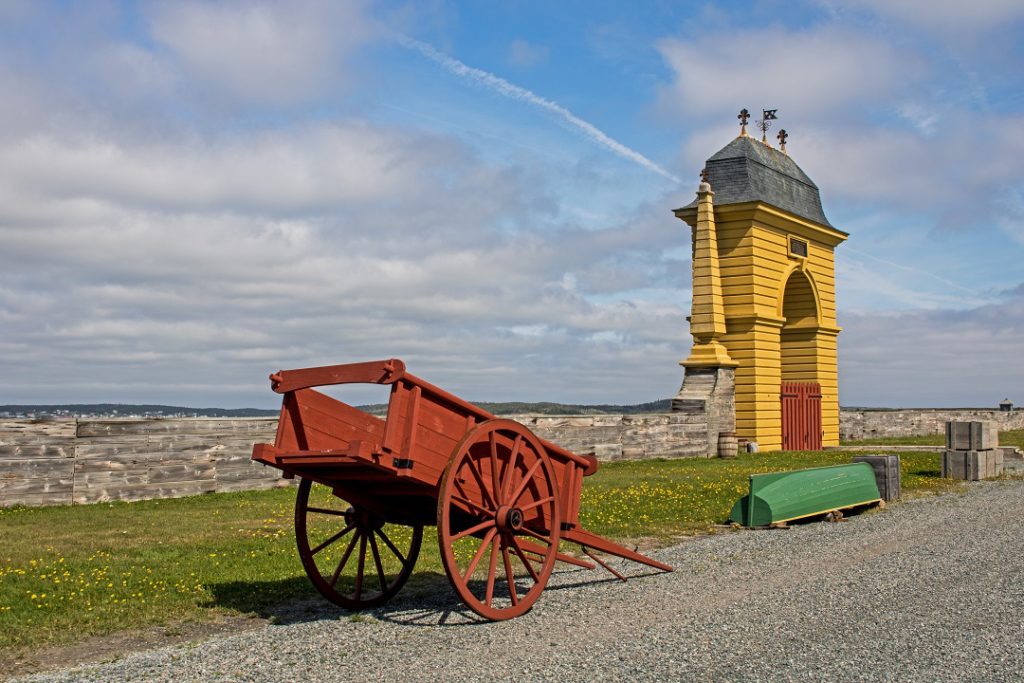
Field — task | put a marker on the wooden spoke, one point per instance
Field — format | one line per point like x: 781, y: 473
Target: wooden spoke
x: 396, y: 551
x: 536, y: 503
x: 479, y: 554
x: 480, y: 481
x: 509, y: 473
x: 509, y: 575
x: 332, y: 539
x: 486, y: 524
x: 522, y: 558
x: 495, y: 477
x: 362, y: 567
x: 324, y: 511
x: 539, y: 537
x: 376, y: 561
x: 498, y: 513
x: 343, y: 560
x: 514, y: 498
x: 470, y: 504
x: 492, y: 571
x: 341, y: 580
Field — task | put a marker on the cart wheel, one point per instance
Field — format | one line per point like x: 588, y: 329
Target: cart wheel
x: 498, y: 500
x: 352, y: 557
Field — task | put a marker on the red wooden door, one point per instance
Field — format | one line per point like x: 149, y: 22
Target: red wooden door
x: 801, y: 416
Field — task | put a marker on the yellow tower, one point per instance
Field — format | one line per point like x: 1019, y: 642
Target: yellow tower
x: 764, y: 294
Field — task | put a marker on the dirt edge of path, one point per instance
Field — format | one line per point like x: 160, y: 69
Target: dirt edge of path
x: 113, y: 646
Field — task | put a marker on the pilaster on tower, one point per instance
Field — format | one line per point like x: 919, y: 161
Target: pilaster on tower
x: 707, y: 312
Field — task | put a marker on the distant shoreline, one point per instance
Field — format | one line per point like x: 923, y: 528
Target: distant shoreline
x: 154, y: 411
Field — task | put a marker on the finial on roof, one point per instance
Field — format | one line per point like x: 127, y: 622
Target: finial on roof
x: 767, y: 116
x: 743, y: 116
x: 705, y: 184
x: 782, y: 140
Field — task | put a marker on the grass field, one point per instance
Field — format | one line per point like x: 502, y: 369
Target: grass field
x: 67, y: 573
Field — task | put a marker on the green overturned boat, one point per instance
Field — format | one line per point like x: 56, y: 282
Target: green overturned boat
x: 785, y: 496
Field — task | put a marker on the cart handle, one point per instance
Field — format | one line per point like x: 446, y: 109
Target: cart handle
x: 372, y: 372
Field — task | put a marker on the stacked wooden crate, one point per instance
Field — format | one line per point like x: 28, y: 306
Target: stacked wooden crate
x: 887, y: 474
x: 972, y: 451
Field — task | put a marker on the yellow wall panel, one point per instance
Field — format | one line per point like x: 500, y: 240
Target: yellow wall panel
x: 760, y: 313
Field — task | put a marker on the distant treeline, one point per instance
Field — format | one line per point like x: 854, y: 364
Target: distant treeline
x: 146, y: 410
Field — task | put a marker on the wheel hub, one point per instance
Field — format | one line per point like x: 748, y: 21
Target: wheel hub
x: 363, y: 520
x: 509, y: 518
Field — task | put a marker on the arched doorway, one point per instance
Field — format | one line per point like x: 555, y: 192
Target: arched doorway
x: 800, y: 392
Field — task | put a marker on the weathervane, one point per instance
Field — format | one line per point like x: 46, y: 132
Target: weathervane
x: 767, y: 116
x: 743, y: 116
x: 781, y: 137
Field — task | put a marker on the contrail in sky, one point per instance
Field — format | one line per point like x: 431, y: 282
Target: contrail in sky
x: 503, y: 87
x: 911, y: 269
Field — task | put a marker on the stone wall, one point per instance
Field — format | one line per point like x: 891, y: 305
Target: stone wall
x: 869, y: 423
x: 88, y: 461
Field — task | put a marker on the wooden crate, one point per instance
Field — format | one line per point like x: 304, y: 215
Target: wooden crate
x: 971, y: 436
x: 972, y: 465
x: 887, y: 473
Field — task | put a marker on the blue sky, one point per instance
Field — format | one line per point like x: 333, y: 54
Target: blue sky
x: 194, y: 194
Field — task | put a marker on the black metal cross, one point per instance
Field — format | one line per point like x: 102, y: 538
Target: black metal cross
x: 782, y: 138
x: 743, y: 116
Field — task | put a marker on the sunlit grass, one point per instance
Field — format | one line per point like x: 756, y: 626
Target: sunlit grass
x: 70, y: 572
x: 667, y: 498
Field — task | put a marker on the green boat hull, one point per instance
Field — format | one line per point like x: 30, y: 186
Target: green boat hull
x: 784, y: 496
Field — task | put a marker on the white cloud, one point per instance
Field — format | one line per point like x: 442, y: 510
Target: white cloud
x: 963, y: 19
x: 865, y: 128
x: 263, y: 52
x: 814, y: 72
x: 183, y: 271
x: 133, y: 72
x: 961, y: 179
x: 326, y: 165
x: 959, y: 359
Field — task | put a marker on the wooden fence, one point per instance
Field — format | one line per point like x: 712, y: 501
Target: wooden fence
x: 88, y: 461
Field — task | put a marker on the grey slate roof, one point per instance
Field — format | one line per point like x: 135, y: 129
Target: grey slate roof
x: 747, y: 170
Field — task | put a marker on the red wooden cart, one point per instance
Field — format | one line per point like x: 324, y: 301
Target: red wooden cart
x: 502, y: 498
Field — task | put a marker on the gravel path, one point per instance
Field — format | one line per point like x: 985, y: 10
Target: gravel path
x: 929, y: 590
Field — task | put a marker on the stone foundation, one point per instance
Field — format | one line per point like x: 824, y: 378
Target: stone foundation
x: 709, y: 395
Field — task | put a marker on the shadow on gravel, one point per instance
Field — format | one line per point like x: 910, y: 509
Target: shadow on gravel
x: 426, y: 600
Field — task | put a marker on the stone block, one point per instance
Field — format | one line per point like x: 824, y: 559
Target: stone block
x: 972, y: 465
x: 887, y: 474
x: 971, y: 436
